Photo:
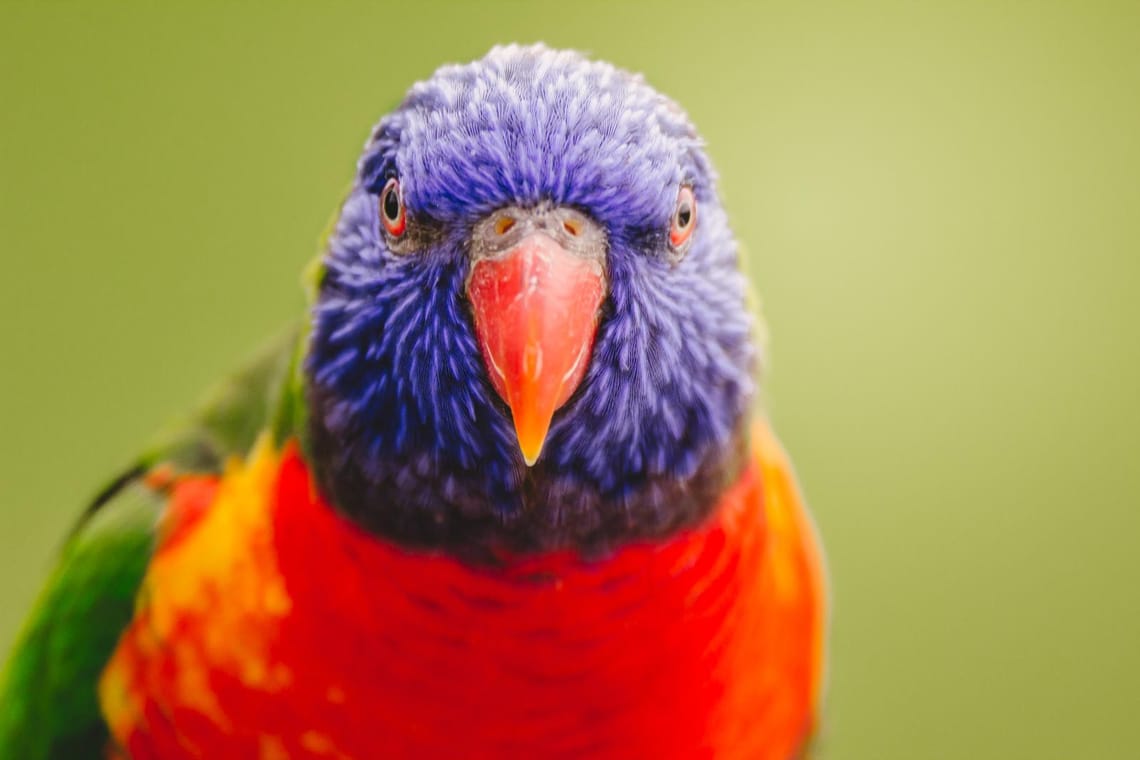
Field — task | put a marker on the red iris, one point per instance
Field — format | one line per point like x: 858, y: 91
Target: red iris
x: 684, y: 218
x: 392, y: 212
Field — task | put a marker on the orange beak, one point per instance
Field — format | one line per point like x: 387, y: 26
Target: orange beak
x: 536, y: 314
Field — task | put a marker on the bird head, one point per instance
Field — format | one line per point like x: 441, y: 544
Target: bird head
x: 530, y: 331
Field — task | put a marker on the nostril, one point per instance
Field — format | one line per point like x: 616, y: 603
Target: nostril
x: 572, y: 228
x: 504, y: 225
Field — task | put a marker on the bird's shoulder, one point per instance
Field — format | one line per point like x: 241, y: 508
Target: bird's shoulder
x: 795, y: 569
x: 48, y: 685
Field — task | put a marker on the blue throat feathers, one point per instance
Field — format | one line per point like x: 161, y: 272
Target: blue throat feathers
x: 407, y: 435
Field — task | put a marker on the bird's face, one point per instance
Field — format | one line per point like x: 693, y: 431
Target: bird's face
x: 531, y: 328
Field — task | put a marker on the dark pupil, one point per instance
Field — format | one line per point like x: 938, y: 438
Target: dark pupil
x: 684, y: 214
x: 391, y: 205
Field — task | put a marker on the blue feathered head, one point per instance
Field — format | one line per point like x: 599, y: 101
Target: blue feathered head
x: 531, y: 329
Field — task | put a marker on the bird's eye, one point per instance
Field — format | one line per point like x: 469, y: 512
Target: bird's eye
x: 684, y: 218
x: 392, y: 212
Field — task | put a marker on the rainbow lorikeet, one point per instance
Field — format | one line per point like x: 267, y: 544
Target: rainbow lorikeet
x: 499, y: 496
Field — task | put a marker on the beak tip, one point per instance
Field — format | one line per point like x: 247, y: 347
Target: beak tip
x: 531, y: 455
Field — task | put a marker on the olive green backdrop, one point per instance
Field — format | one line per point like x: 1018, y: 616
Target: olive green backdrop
x: 942, y: 212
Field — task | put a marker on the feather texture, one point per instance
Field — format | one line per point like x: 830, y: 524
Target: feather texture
x: 409, y: 437
x: 272, y: 625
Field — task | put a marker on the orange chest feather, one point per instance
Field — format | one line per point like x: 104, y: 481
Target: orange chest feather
x: 269, y: 627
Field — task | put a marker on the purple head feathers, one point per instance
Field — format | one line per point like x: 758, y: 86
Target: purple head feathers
x: 407, y: 434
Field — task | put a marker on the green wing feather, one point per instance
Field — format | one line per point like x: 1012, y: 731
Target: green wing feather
x: 48, y: 706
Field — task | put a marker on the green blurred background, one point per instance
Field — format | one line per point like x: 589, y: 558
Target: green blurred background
x: 942, y: 210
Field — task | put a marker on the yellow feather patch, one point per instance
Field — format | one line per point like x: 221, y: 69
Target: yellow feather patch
x: 210, y: 600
